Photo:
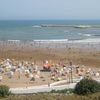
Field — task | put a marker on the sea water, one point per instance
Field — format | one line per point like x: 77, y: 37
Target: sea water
x: 33, y: 30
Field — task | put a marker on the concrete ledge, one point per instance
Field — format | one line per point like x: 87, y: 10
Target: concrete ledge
x: 42, y: 88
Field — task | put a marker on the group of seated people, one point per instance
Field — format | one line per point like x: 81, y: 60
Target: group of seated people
x: 30, y: 70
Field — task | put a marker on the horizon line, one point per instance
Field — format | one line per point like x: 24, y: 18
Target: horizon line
x: 43, y: 19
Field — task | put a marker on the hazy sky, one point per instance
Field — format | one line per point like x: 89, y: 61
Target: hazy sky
x: 49, y: 9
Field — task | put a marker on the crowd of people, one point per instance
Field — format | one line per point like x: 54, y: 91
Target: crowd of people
x: 57, y: 72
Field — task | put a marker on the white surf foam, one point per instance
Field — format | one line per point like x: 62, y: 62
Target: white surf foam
x: 88, y: 35
x: 36, y: 26
x: 55, y: 40
x: 89, y: 40
x: 79, y: 33
x: 13, y: 40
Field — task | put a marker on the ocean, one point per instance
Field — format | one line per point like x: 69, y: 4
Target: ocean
x: 33, y: 30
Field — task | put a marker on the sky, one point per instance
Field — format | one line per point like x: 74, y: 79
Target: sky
x: 49, y: 9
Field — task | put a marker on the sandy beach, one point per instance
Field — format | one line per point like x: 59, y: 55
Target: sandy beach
x: 87, y: 54
x: 80, y: 53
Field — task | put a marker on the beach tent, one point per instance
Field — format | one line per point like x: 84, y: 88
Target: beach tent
x: 46, y: 67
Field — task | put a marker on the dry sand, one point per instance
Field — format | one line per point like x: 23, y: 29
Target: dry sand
x: 88, y: 57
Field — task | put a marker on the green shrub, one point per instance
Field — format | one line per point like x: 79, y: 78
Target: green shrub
x: 63, y: 91
x: 87, y: 86
x: 4, y: 90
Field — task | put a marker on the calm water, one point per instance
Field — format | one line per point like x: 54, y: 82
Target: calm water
x: 28, y: 30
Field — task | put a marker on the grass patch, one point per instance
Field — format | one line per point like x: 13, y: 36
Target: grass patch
x: 53, y: 96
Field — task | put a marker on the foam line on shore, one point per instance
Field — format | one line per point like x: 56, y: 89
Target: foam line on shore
x: 56, y: 40
x: 13, y: 40
x: 89, y: 40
